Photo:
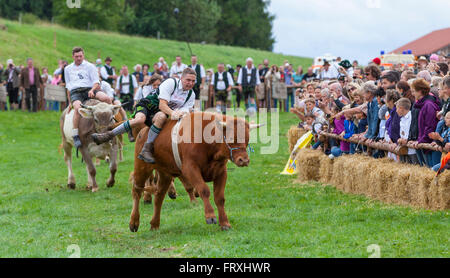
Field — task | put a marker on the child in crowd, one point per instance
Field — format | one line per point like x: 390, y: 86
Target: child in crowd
x: 442, y: 139
x: 345, y: 127
x: 403, y: 110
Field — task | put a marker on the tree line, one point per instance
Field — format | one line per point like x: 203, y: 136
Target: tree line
x: 227, y: 22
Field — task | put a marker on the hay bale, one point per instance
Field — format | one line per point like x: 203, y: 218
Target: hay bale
x: 326, y: 169
x: 420, y: 196
x: 348, y: 172
x: 340, y: 174
x: 308, y: 164
x: 439, y: 197
x: 399, y: 191
x: 381, y: 179
x: 293, y: 135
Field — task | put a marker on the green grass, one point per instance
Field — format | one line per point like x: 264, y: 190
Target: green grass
x: 38, y: 41
x: 272, y: 215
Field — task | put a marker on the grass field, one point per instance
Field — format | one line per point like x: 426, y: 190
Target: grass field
x: 47, y: 43
x: 271, y: 215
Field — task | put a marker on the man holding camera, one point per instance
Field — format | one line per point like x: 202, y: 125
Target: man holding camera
x: 328, y: 72
x: 11, y: 76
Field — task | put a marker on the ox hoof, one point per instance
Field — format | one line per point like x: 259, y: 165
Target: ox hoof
x: 147, y: 202
x: 225, y: 228
x: 134, y: 228
x: 71, y: 186
x: 172, y: 196
x: 110, y: 183
x: 211, y: 221
x: 94, y: 189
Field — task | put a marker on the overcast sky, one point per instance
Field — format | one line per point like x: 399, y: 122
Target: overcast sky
x: 353, y: 29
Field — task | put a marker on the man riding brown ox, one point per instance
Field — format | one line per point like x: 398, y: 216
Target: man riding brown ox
x: 193, y: 161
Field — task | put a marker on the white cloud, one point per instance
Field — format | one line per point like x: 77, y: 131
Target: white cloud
x: 353, y: 29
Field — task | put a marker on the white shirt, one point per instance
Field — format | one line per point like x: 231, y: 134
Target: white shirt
x: 176, y: 100
x: 104, y: 73
x: 315, y: 110
x: 83, y: 76
x: 57, y: 71
x: 49, y: 78
x: 143, y: 92
x: 249, y: 76
x: 202, y: 70
x: 405, y: 124
x: 177, y: 70
x: 107, y: 89
x: 10, y: 76
x: 332, y: 73
x: 220, y: 82
x: 126, y: 83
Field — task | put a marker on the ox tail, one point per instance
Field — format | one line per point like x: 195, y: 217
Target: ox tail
x: 148, y: 184
x: 60, y: 147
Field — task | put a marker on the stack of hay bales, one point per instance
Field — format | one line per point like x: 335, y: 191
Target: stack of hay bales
x: 293, y: 135
x: 308, y: 164
x: 380, y: 179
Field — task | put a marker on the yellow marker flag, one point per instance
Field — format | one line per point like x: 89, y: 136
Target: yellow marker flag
x: 291, y: 166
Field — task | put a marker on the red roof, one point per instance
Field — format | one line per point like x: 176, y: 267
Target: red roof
x: 428, y: 44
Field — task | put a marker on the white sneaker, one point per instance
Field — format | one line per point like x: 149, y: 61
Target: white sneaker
x: 331, y: 156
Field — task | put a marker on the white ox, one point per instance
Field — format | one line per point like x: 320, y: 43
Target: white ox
x: 96, y: 117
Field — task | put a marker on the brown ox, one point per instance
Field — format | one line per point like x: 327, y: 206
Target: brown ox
x: 201, y: 162
x: 96, y: 117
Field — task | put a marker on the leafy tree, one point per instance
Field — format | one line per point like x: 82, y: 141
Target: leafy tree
x: 246, y: 24
x: 195, y: 21
x: 12, y: 8
x: 92, y: 14
x: 231, y: 22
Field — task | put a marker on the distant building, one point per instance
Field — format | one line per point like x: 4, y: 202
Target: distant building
x: 434, y: 42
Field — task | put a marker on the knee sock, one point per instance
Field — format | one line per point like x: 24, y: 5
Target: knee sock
x: 153, y: 133
x: 121, y: 129
x: 75, y: 132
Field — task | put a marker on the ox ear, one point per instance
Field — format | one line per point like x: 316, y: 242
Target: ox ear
x: 86, y: 113
x: 115, y: 109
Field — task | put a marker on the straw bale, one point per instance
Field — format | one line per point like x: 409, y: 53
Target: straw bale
x: 380, y: 179
x: 293, y: 135
x: 308, y: 164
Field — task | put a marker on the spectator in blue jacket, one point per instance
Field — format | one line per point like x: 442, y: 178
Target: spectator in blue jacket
x: 369, y: 89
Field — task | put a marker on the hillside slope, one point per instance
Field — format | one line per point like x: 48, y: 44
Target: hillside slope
x: 47, y: 43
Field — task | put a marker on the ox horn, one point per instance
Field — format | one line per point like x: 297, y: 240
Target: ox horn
x: 87, y: 107
x: 123, y: 104
x: 221, y: 124
x: 255, y: 126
